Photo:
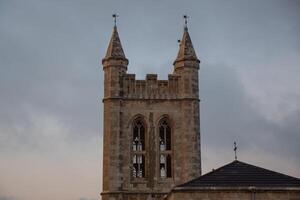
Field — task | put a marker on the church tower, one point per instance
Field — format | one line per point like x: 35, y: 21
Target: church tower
x: 151, y: 135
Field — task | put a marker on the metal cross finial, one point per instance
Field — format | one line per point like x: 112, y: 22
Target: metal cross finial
x: 115, y: 18
x: 185, y: 21
x: 235, y: 150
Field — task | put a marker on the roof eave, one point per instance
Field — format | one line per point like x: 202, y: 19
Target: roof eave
x: 233, y: 188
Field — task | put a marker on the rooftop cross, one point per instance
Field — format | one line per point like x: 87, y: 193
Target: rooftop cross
x: 115, y: 18
x: 235, y: 150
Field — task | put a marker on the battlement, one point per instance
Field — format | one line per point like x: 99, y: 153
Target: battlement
x: 150, y: 88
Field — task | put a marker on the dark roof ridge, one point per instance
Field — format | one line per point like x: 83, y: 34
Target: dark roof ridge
x: 204, y: 175
x: 267, y: 170
x: 237, y: 169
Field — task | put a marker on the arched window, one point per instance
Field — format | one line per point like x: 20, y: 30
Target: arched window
x: 138, y: 148
x: 165, y: 145
x: 164, y: 135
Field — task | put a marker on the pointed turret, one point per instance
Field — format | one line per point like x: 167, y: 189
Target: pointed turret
x: 114, y: 50
x: 187, y: 65
x: 186, y: 49
x: 114, y: 66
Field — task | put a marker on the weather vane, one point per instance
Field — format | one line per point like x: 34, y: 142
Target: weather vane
x: 115, y: 18
x: 185, y: 20
x: 235, y: 150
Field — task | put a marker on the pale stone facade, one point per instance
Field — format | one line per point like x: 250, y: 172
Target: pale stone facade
x: 125, y: 100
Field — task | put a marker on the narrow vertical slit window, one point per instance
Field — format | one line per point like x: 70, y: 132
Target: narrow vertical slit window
x: 165, y: 145
x: 138, y: 148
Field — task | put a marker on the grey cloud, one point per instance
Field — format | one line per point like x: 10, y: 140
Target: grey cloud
x: 39, y: 75
x: 227, y: 116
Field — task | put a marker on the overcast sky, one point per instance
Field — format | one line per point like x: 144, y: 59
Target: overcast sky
x: 51, y: 84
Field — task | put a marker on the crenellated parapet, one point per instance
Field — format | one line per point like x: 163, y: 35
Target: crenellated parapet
x: 150, y: 88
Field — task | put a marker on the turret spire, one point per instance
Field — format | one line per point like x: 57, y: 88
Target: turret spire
x: 115, y: 50
x: 186, y: 49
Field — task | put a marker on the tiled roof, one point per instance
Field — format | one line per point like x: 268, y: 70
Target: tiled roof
x: 240, y: 174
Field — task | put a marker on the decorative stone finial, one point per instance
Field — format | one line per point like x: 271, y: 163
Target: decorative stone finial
x: 185, y: 17
x: 115, y: 18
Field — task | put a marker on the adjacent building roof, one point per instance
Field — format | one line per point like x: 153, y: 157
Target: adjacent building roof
x: 240, y: 174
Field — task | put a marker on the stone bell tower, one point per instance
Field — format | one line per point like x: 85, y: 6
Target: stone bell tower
x: 151, y: 134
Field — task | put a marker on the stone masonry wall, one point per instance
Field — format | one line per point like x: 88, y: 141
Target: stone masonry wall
x: 150, y: 99
x: 151, y: 88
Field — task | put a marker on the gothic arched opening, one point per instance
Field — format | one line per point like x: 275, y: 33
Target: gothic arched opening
x: 165, y: 148
x: 138, y: 148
